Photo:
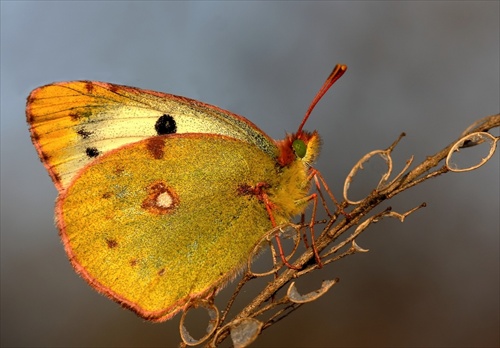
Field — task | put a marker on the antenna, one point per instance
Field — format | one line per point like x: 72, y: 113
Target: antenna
x: 337, y: 72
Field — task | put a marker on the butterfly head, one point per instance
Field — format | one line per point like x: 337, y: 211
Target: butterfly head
x: 303, y: 146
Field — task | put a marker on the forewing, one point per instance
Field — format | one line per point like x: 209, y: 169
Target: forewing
x: 72, y: 123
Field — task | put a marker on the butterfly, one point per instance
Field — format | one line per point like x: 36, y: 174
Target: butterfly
x: 162, y: 198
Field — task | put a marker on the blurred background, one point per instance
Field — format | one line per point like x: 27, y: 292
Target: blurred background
x: 427, y: 68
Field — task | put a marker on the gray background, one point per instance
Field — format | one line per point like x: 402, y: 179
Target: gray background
x: 427, y: 68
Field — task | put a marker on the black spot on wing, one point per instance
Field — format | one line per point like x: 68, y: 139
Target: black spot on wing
x: 84, y: 134
x: 165, y: 125
x: 92, y: 152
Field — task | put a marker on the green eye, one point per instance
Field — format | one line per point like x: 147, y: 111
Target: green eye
x: 299, y: 147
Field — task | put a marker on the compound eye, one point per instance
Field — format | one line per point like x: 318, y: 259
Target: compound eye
x: 299, y: 147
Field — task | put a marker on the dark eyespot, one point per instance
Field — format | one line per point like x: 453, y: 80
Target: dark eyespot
x: 165, y: 125
x: 92, y: 152
x: 299, y: 147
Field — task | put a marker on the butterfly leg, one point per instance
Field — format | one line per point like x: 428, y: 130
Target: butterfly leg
x: 313, y: 197
x: 320, y: 186
x: 259, y: 191
x: 320, y: 181
x: 269, y: 208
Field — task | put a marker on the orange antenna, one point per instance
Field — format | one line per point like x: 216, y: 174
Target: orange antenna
x: 337, y: 72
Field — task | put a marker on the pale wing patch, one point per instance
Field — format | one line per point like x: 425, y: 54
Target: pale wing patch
x: 164, y: 200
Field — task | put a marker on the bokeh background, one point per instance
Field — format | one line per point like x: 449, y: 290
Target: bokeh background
x: 427, y: 68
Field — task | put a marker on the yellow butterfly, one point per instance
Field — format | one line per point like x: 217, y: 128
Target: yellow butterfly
x: 161, y: 197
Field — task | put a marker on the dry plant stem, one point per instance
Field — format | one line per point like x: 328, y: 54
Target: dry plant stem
x: 247, y: 277
x: 432, y: 161
x: 416, y: 176
x: 282, y: 313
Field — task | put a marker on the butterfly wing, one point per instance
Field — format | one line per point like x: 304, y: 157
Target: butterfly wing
x: 72, y: 123
x: 166, y: 219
